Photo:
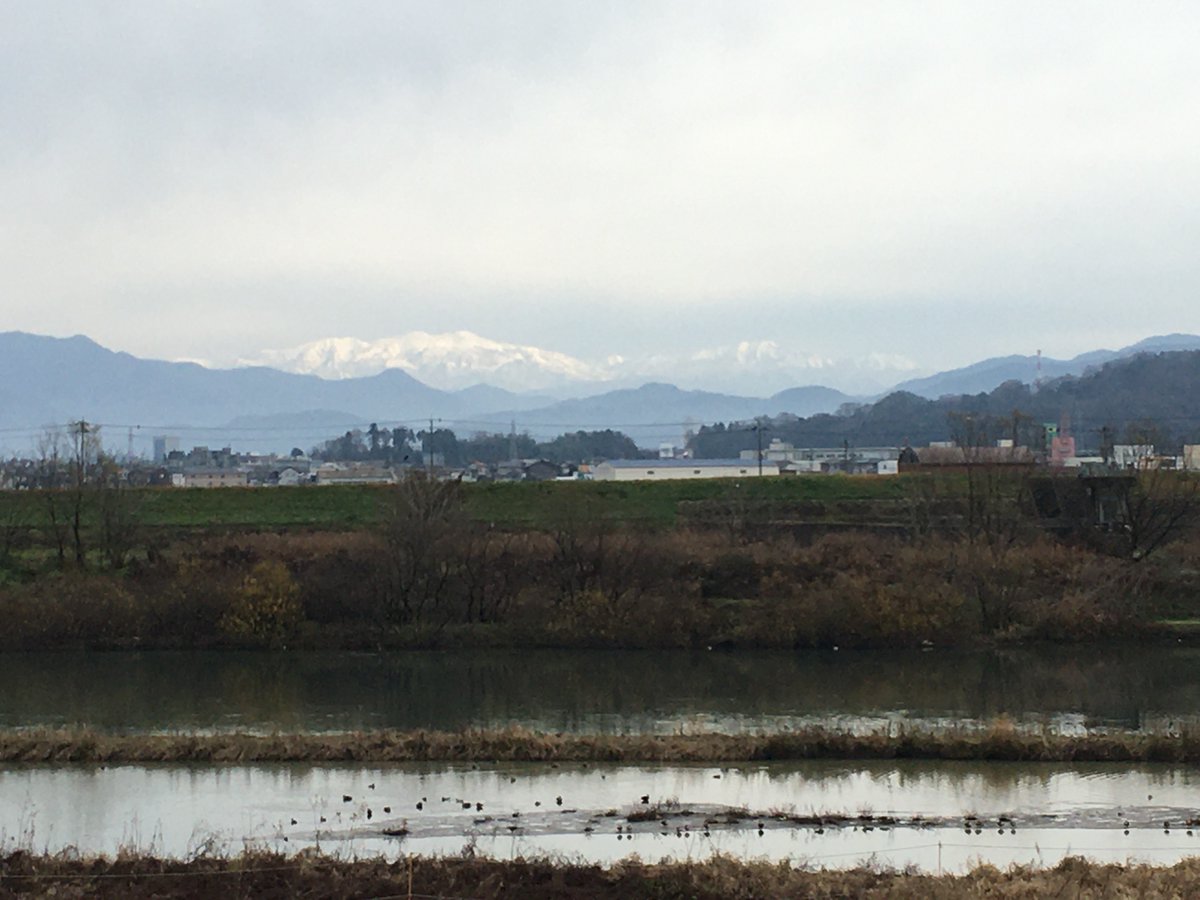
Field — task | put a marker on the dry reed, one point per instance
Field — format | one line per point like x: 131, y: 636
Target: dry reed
x: 262, y: 874
x: 1000, y: 742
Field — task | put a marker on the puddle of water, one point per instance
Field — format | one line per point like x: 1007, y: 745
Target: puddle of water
x: 584, y: 812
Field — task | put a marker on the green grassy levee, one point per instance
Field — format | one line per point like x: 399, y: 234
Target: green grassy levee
x: 517, y: 504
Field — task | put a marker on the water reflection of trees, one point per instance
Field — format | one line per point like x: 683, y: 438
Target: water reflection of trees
x: 563, y: 690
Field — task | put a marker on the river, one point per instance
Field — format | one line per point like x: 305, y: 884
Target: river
x: 1064, y: 689
x: 928, y: 814
x: 914, y: 813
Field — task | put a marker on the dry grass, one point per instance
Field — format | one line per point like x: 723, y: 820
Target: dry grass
x: 1001, y: 742
x: 310, y: 874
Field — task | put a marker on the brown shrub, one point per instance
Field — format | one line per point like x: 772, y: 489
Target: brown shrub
x: 266, y: 609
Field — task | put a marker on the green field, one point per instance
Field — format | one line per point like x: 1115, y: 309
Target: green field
x: 518, y: 504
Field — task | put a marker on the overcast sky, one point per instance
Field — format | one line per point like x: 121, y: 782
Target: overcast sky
x: 942, y: 181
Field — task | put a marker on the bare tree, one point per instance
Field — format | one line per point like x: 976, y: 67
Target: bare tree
x: 50, y: 476
x: 14, y: 517
x: 75, y: 480
x: 489, y: 574
x: 1156, y: 507
x: 116, y: 513
x: 423, y: 522
x: 994, y: 515
x: 592, y: 558
x: 997, y: 481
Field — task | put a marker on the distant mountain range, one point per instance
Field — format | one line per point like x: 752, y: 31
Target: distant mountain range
x: 459, y: 359
x: 1143, y: 398
x: 45, y: 380
x: 662, y: 413
x: 984, y: 376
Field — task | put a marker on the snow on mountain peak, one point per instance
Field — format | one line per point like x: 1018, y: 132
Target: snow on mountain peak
x: 459, y: 359
x: 451, y: 361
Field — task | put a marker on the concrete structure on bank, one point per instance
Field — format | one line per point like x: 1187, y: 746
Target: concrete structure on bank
x: 674, y: 469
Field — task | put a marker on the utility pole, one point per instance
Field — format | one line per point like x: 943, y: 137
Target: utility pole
x: 1106, y: 445
x: 758, y: 431
x: 81, y: 430
x: 431, y: 421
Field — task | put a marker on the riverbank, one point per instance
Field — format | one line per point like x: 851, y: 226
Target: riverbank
x: 803, y: 564
x: 584, y: 586
x: 264, y: 874
x: 1000, y: 742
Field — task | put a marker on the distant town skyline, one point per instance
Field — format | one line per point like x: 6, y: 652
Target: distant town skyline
x: 939, y: 182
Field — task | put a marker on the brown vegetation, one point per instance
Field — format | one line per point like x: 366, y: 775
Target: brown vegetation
x: 1000, y: 742
x: 597, y: 588
x: 262, y: 874
x: 428, y: 575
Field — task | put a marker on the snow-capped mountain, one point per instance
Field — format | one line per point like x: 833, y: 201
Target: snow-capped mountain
x: 756, y: 368
x: 449, y: 361
x: 459, y: 359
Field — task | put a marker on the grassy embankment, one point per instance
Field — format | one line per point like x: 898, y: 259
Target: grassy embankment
x: 263, y: 874
x: 1001, y: 742
x: 512, y: 505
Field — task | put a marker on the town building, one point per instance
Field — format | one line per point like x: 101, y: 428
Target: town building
x: 1132, y: 456
x: 210, y: 478
x: 354, y: 473
x: 164, y: 444
x: 674, y: 469
x: 1191, y: 457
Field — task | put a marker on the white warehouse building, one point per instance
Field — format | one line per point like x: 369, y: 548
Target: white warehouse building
x: 671, y: 469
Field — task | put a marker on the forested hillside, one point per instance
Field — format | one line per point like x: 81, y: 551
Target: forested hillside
x: 1151, y: 397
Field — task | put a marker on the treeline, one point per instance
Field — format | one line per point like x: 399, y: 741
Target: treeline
x: 403, y: 445
x: 428, y: 575
x: 1144, y: 399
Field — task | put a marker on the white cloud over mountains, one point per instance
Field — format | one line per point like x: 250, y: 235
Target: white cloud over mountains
x: 938, y: 180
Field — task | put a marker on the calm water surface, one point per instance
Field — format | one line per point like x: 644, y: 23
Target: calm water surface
x: 1067, y: 689
x: 1050, y: 811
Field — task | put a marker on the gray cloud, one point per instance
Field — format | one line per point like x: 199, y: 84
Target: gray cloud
x: 940, y: 180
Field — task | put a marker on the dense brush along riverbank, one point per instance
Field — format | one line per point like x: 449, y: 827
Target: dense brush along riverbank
x: 607, y: 588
